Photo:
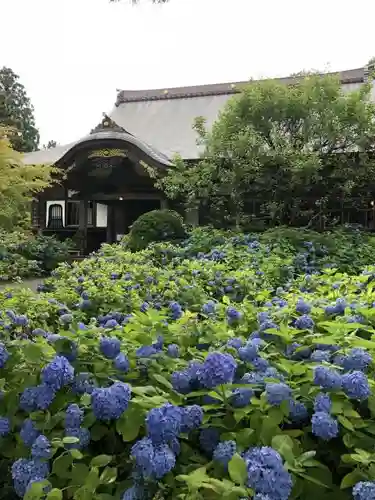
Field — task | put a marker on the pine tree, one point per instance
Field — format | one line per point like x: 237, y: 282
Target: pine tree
x: 17, y: 112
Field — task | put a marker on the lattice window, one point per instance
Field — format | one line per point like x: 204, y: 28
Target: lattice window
x: 72, y: 213
x: 55, y: 217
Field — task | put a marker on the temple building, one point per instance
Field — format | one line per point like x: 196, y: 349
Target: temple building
x: 107, y: 182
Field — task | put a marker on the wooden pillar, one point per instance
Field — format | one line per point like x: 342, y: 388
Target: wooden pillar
x: 110, y: 223
x: 83, y: 209
x: 164, y: 204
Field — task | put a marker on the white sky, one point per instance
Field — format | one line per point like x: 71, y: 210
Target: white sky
x: 72, y: 55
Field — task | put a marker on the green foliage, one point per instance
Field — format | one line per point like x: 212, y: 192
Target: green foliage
x: 131, y: 296
x: 17, y: 113
x: 283, y: 145
x: 18, y: 184
x: 157, y: 225
x: 23, y: 255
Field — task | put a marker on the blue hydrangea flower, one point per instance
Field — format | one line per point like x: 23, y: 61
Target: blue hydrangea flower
x: 146, y: 351
x: 260, y: 364
x: 192, y: 418
x: 163, y: 461
x: 217, y: 369
x: 121, y: 362
x: 4, y: 355
x: 355, y: 385
x: 241, y: 397
x: 28, y: 432
x: 249, y: 352
x: 357, y: 359
x: 136, y: 492
x: 224, y: 452
x: 82, y: 434
x: 58, y: 373
x: 110, y: 325
x: 208, y: 439
x: 39, y: 332
x: 164, y: 424
x: 365, y: 490
x: 41, y: 448
x: 277, y: 393
x: 110, y: 403
x: 266, y: 474
x: 304, y: 322
x: 73, y: 416
x: 324, y: 426
x: 319, y: 356
x: 4, y: 426
x: 37, y: 398
x: 233, y: 315
x: 25, y: 470
x: 235, y: 342
x: 322, y: 403
x: 268, y: 325
x: 143, y: 453
x: 297, y: 411
x: 83, y: 383
x: 110, y: 347
x: 173, y: 351
x: 209, y: 308
x: 175, y: 310
x: 327, y: 378
x: 302, y: 307
x: 186, y: 380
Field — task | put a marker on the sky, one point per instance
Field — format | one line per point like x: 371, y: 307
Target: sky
x: 73, y: 55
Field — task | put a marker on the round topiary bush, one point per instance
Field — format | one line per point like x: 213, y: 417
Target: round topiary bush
x: 157, y: 225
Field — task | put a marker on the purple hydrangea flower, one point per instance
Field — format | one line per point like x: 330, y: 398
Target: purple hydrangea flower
x: 297, y: 411
x: 302, y: 307
x: 241, y: 397
x: 4, y: 355
x: 357, y: 359
x: 249, y: 352
x: 26, y: 470
x: 37, y: 398
x: 82, y: 434
x: 173, y: 351
x: 192, y: 418
x: 73, y: 416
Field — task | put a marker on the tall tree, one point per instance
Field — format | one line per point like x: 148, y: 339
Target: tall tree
x: 282, y: 144
x: 18, y: 184
x: 17, y: 112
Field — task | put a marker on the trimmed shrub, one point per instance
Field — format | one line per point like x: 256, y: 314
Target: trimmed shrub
x: 154, y: 226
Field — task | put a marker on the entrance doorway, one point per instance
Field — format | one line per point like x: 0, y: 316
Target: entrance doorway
x: 123, y: 213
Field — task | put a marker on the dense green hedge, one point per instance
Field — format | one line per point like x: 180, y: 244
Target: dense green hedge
x: 225, y: 367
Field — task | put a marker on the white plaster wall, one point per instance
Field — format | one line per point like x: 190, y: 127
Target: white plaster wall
x: 56, y: 202
x: 101, y: 215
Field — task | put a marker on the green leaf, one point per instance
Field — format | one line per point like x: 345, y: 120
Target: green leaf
x: 32, y: 352
x: 55, y: 494
x: 101, y: 461
x: 345, y: 422
x: 129, y: 424
x: 92, y: 479
x: 284, y: 445
x: 61, y: 465
x: 351, y: 479
x: 70, y: 440
x: 109, y: 475
x: 237, y: 469
x: 76, y: 454
x: 162, y: 381
x: 79, y: 473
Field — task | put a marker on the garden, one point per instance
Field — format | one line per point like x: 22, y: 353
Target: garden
x: 224, y: 365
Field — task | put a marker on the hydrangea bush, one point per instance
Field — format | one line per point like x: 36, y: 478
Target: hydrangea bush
x: 229, y: 371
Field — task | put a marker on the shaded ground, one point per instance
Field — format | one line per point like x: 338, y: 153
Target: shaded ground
x: 32, y: 284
